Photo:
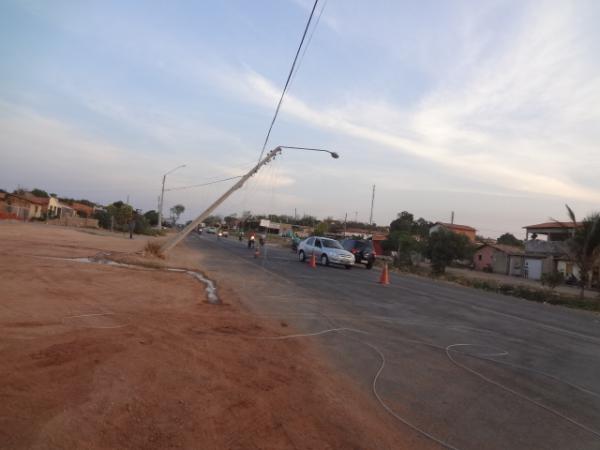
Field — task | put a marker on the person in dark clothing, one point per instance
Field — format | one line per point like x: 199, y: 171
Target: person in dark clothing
x: 131, y: 225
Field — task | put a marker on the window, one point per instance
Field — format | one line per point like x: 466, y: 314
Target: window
x: 311, y: 241
x: 330, y: 243
x: 317, y: 243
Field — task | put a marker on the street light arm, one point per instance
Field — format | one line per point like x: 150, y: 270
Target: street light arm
x: 333, y: 154
x: 173, y: 170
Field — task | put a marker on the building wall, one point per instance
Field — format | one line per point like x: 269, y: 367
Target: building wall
x: 500, y: 262
x: 468, y: 233
x: 483, y: 258
x: 567, y: 268
x: 516, y: 265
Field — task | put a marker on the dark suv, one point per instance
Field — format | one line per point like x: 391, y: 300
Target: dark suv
x: 363, y: 251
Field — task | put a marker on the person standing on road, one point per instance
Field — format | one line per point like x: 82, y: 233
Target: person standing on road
x: 131, y: 226
x: 251, y: 240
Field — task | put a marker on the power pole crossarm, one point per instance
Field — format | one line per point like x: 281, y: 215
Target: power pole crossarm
x: 188, y: 229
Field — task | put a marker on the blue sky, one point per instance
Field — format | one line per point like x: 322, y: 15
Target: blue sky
x: 489, y: 109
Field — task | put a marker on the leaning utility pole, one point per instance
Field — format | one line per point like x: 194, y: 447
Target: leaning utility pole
x: 169, y: 244
x: 160, y: 202
x: 372, y: 202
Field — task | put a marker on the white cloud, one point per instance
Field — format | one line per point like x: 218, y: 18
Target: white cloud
x: 518, y: 120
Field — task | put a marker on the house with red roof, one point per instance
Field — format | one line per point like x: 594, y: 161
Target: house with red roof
x: 465, y: 230
x: 546, y: 249
x: 19, y: 206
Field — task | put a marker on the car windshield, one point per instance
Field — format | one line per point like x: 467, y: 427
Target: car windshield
x: 330, y: 243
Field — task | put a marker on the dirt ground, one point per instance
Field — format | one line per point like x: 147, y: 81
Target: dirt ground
x: 103, y: 357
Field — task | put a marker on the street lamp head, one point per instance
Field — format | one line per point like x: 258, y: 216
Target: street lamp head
x: 334, y: 155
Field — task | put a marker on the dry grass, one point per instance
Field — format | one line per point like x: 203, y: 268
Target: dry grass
x: 153, y: 248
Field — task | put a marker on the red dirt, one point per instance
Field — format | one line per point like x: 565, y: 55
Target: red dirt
x: 153, y: 366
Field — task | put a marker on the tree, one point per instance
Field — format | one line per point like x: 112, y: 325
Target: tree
x: 421, y: 227
x: 404, y: 244
x: 152, y: 217
x: 121, y: 212
x: 176, y: 211
x: 39, y: 193
x: 103, y: 218
x: 509, y: 239
x: 231, y: 220
x: 213, y: 220
x: 320, y: 229
x: 444, y: 247
x: 403, y: 222
x: 142, y: 226
x: 583, y: 247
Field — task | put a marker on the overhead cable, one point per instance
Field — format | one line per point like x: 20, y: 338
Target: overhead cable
x: 179, y: 188
x: 287, y: 82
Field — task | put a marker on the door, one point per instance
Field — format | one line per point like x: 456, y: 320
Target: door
x: 309, y: 246
x: 317, y: 249
x: 533, y: 269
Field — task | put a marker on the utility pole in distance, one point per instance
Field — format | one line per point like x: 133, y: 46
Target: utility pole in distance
x: 372, y: 202
x: 162, y: 195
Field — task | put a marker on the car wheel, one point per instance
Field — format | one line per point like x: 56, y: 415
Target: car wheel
x: 301, y: 256
x: 348, y: 267
x: 370, y: 265
x: 324, y: 260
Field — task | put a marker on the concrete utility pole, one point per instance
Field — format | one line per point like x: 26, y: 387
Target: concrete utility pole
x: 372, y: 203
x: 183, y: 233
x: 168, y: 245
x: 162, y: 195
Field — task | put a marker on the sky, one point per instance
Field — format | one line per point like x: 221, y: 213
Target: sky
x: 488, y: 109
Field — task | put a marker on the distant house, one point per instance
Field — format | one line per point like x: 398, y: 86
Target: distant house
x: 359, y: 233
x: 82, y: 210
x: 378, y: 239
x: 548, y: 254
x: 18, y: 206
x: 465, y: 230
x: 498, y: 258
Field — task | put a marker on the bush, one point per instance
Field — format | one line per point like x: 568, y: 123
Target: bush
x: 552, y: 279
x: 153, y: 248
x: 527, y: 293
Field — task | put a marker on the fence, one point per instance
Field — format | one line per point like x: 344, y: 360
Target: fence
x: 75, y: 222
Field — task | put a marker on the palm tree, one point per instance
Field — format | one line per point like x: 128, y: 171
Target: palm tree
x: 583, y: 247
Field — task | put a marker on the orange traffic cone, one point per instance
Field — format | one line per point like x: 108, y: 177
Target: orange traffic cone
x: 385, y: 276
x: 313, y: 261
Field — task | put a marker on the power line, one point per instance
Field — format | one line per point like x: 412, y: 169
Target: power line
x: 203, y: 184
x: 287, y: 82
x: 308, y: 42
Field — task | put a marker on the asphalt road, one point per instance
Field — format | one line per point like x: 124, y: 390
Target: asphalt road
x: 464, y: 368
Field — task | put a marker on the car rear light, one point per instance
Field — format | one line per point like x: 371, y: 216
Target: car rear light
x: 374, y: 253
x: 353, y: 250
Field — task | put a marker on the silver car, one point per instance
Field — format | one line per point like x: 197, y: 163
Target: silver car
x: 326, y: 251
